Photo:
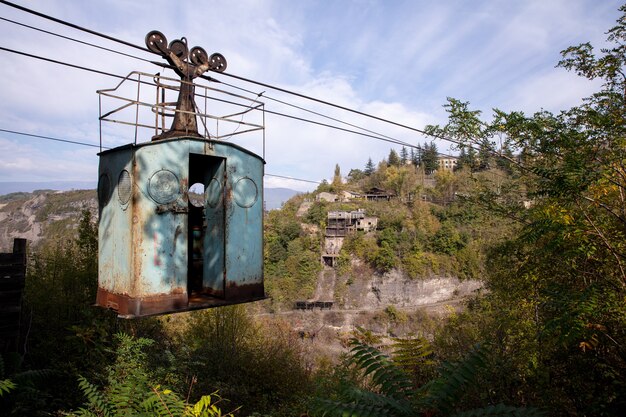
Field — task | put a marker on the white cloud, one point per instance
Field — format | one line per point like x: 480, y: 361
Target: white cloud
x: 397, y: 61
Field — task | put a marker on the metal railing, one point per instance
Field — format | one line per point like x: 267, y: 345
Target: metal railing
x: 151, y: 98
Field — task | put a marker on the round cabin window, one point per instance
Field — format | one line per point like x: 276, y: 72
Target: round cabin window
x: 124, y: 187
x: 104, y: 189
x: 245, y: 192
x: 214, y: 193
x: 164, y: 187
x: 196, y: 194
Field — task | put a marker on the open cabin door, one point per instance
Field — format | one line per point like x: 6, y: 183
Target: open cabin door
x: 207, y: 228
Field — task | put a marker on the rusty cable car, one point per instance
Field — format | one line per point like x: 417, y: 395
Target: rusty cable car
x: 162, y: 246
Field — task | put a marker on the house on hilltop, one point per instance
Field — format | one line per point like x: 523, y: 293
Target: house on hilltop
x: 447, y: 162
x: 378, y: 194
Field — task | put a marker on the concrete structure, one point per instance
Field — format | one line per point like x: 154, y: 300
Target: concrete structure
x: 447, y: 162
x: 338, y: 225
x: 328, y: 197
x: 367, y: 224
x: 350, y: 195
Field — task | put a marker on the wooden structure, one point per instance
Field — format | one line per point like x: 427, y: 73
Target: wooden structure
x: 311, y: 305
x: 378, y: 194
x: 12, y: 279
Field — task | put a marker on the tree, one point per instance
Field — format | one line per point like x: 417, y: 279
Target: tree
x: 355, y: 175
x: 337, y: 182
x: 404, y: 156
x: 369, y: 167
x: 393, y: 160
x: 416, y: 157
x: 430, y: 158
x: 557, y: 288
x: 485, y: 155
x: 504, y: 162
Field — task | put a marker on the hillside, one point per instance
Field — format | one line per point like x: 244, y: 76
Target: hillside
x: 43, y: 214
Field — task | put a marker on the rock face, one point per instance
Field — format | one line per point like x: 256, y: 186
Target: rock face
x: 42, y: 214
x: 395, y: 289
x: 372, y: 291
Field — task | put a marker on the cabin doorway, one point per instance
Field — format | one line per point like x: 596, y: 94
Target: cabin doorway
x: 206, y: 228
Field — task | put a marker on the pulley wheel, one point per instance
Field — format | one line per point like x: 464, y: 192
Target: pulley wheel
x: 198, y: 56
x: 217, y: 62
x: 179, y: 48
x: 156, y: 42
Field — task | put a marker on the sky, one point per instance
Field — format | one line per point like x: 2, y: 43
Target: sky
x: 397, y: 60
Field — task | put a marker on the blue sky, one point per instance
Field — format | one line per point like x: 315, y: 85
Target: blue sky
x: 395, y: 59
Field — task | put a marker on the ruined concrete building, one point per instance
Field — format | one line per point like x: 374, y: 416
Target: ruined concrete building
x: 338, y: 225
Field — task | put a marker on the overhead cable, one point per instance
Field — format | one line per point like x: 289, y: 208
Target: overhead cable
x: 72, y: 25
x: 276, y: 88
x: 73, y: 142
x: 391, y: 140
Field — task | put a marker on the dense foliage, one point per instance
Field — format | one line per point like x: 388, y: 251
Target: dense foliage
x: 557, y: 291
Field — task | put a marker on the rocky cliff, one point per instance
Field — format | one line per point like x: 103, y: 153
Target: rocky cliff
x: 43, y: 214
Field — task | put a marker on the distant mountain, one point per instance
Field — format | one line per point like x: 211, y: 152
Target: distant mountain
x: 275, y: 197
x: 30, y: 186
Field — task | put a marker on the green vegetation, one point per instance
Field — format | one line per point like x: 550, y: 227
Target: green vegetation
x: 131, y: 391
x: 408, y: 384
x: 540, y: 220
x: 555, y: 306
x: 292, y: 256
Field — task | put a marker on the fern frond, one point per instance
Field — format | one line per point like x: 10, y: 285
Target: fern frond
x: 94, y: 397
x: 501, y: 410
x: 412, y: 353
x: 84, y: 413
x: 207, y: 407
x: 33, y: 376
x: 391, y: 379
x: 167, y: 404
x: 6, y: 386
x: 440, y: 393
x: 332, y: 408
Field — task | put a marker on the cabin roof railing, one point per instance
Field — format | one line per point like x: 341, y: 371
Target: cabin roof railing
x: 146, y: 103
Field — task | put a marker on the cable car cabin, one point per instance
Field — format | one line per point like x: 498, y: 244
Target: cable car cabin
x: 163, y: 249
x: 181, y: 217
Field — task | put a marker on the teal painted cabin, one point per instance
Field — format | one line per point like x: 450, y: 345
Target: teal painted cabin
x: 163, y: 248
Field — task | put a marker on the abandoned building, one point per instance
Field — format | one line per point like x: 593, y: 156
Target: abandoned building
x: 378, y: 194
x: 338, y: 225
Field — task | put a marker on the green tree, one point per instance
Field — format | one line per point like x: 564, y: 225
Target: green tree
x: 355, y: 175
x: 404, y: 156
x: 430, y: 158
x: 369, y: 167
x: 415, y: 157
x: 557, y: 289
x: 337, y: 181
x: 393, y: 159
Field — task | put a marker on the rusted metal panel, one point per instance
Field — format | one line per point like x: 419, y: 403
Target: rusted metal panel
x: 147, y: 226
x: 116, y: 216
x: 215, y: 232
x: 244, y: 239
